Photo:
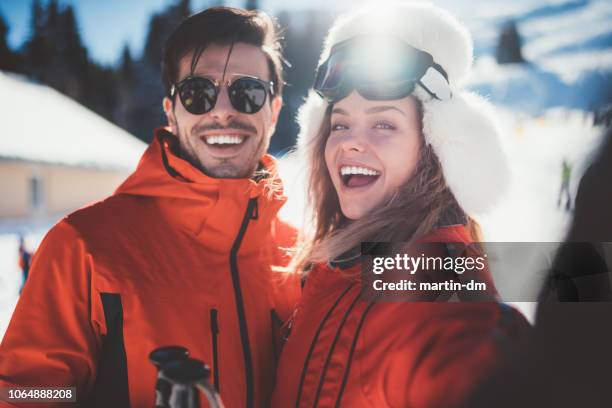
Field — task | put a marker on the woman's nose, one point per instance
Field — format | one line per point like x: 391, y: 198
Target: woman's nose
x: 353, y: 142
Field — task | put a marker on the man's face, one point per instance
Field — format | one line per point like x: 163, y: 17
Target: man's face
x: 199, y: 135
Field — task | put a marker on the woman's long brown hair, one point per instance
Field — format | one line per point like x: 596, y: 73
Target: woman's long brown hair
x: 419, y: 206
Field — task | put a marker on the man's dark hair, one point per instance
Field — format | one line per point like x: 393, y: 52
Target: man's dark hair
x: 222, y: 25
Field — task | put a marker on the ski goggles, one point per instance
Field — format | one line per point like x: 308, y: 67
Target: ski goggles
x: 379, y: 68
x: 199, y: 94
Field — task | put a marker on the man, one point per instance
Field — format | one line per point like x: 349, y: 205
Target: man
x: 184, y: 252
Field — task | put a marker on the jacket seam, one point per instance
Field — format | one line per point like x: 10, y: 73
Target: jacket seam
x: 314, y: 341
x: 333, y: 347
x: 351, y: 354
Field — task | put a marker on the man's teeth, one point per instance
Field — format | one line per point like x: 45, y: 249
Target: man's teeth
x: 223, y: 139
x: 346, y: 170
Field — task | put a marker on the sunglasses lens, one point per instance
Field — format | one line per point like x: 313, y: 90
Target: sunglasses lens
x: 247, y: 95
x: 198, y: 95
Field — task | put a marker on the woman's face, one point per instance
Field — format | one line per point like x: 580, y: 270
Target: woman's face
x: 372, y: 149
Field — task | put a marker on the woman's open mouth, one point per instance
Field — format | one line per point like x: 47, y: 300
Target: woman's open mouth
x: 358, y: 176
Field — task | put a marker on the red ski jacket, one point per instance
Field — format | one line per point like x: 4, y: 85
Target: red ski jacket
x: 172, y: 258
x: 346, y: 351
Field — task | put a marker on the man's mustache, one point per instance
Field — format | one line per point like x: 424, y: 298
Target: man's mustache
x: 233, y: 124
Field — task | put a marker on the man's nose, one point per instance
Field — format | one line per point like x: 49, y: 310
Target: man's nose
x: 223, y: 111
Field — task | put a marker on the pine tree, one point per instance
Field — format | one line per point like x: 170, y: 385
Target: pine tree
x: 252, y: 5
x: 144, y: 112
x: 37, y: 49
x: 70, y: 64
x: 9, y: 60
x: 160, y: 27
x: 55, y: 55
x: 509, y: 46
x: 125, y: 88
x: 301, y: 49
x: 126, y: 68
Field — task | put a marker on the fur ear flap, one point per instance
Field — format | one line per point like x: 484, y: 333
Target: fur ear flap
x: 467, y: 140
x: 310, y: 117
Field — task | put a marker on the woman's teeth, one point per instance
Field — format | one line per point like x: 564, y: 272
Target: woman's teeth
x: 346, y: 170
x: 356, y: 176
x: 224, y: 139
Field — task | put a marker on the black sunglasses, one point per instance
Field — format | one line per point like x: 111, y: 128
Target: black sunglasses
x: 199, y: 95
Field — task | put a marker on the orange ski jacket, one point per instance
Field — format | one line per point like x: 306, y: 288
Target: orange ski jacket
x: 344, y: 351
x: 173, y: 257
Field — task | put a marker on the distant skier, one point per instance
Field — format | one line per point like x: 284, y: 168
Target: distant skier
x: 566, y: 174
x: 24, y: 260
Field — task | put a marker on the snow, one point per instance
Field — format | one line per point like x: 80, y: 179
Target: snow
x: 10, y: 274
x: 550, y: 44
x: 10, y: 278
x: 42, y: 125
x: 571, y: 67
x: 575, y: 22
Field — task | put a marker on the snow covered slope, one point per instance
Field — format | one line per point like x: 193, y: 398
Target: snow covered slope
x: 568, y: 48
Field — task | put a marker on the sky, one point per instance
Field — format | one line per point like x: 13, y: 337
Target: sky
x: 106, y: 25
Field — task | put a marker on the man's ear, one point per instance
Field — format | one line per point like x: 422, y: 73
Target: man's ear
x: 169, y: 111
x: 276, y: 105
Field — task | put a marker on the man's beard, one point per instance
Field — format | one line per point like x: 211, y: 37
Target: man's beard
x: 224, y: 168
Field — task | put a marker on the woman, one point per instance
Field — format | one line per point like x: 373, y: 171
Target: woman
x: 397, y: 153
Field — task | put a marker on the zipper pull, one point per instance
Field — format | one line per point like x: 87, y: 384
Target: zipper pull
x: 288, y: 326
x: 255, y: 210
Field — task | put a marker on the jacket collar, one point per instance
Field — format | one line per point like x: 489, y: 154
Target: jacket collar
x: 210, y: 208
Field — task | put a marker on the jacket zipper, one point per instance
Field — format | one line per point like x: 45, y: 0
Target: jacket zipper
x: 251, y: 213
x: 214, y: 329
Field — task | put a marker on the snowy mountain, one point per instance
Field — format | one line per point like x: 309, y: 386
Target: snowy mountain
x: 568, y: 49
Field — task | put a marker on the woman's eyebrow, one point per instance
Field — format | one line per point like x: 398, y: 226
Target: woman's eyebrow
x: 378, y: 109
x: 339, y: 111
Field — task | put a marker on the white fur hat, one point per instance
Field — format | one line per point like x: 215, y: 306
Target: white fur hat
x: 462, y: 130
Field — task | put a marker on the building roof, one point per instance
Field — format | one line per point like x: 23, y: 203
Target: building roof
x: 39, y: 124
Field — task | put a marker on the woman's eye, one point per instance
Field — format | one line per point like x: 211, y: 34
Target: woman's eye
x: 338, y: 126
x: 384, y: 125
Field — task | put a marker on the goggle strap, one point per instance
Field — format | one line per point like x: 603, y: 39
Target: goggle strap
x: 426, y: 89
x: 435, y: 84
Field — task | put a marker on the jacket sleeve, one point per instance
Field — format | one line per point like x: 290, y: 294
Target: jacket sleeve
x: 449, y: 356
x: 286, y: 283
x: 50, y: 340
